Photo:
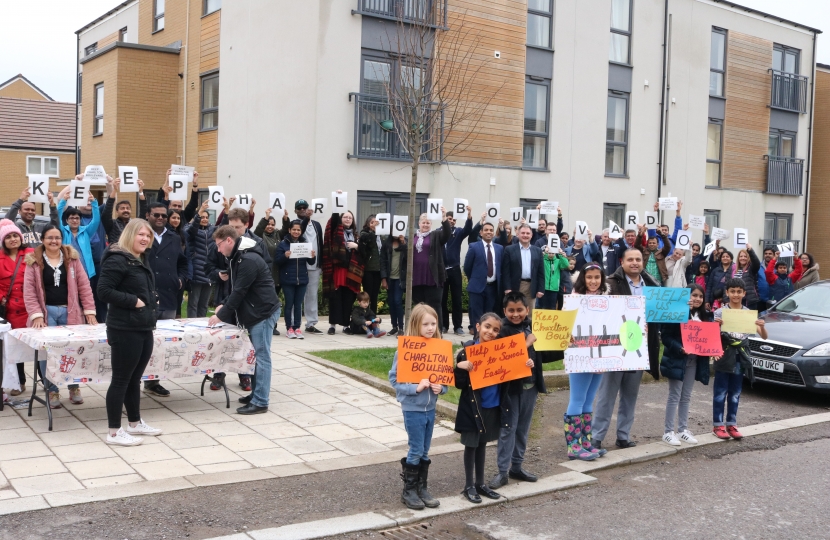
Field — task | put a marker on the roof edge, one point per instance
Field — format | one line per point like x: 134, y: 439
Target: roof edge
x: 27, y: 81
x: 822, y: 66
x: 767, y: 15
x: 121, y: 44
x: 116, y: 9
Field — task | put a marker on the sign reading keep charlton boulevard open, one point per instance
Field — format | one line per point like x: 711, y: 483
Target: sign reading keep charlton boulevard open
x: 421, y: 358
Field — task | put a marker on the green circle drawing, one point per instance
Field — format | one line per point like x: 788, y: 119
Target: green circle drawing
x: 631, y: 336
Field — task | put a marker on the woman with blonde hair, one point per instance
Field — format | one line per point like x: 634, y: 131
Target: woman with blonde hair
x: 746, y: 268
x: 428, y: 270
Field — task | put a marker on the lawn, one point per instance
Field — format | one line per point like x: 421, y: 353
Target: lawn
x: 378, y: 361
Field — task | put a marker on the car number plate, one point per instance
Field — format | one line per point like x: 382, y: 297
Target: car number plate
x: 769, y: 365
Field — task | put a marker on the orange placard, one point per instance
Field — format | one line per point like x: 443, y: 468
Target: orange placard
x: 421, y: 358
x: 498, y: 361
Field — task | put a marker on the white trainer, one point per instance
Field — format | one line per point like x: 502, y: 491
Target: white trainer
x: 143, y: 429
x: 687, y: 436
x: 122, y: 438
x: 669, y: 438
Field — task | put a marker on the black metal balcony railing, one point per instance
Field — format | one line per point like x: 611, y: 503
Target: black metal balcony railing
x: 788, y: 91
x: 429, y: 12
x: 375, y: 135
x: 784, y: 175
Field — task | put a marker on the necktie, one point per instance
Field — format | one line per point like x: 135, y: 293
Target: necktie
x: 490, y: 268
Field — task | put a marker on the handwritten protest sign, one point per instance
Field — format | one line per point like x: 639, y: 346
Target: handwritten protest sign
x: 276, y: 202
x: 434, y: 208
x: 740, y: 321
x: 179, y: 184
x: 651, y: 221
x: 552, y: 329
x: 697, y: 222
x: 516, y: 215
x: 702, y: 338
x: 384, y: 223
x: 609, y: 334
x: 719, y: 234
x: 78, y: 193
x: 399, y: 225
x: 498, y: 361
x: 215, y: 196
x: 667, y: 203
x: 300, y: 250
x: 667, y: 304
x: 95, y: 175
x: 421, y: 358
x: 492, y: 213
x: 182, y: 169
x: 38, y: 188
x: 549, y: 208
x: 460, y: 211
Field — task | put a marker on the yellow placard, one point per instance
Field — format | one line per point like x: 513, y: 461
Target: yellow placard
x: 740, y: 321
x: 552, y: 329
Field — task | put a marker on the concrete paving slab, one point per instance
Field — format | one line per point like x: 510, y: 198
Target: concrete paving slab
x: 117, y: 492
x: 325, y: 527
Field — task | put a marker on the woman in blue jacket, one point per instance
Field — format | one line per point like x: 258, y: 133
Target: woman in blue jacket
x: 76, y: 235
x: 293, y: 278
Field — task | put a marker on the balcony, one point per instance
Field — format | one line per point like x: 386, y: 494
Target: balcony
x: 375, y: 135
x: 784, y: 175
x: 429, y: 12
x: 788, y: 91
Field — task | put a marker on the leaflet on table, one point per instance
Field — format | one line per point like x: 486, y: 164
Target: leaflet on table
x: 56, y: 332
x: 204, y: 324
x: 171, y: 325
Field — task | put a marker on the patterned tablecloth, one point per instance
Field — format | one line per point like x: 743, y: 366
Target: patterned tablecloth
x: 81, y: 354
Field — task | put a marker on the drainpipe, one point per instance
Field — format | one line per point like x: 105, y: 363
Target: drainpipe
x: 663, y: 98
x: 77, y: 98
x: 810, y: 147
x: 186, y: 48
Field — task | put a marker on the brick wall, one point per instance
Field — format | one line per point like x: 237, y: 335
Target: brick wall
x: 20, y: 89
x: 818, y: 235
x: 13, y: 172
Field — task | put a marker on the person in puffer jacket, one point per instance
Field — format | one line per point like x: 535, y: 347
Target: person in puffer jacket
x: 293, y: 278
x: 199, y: 234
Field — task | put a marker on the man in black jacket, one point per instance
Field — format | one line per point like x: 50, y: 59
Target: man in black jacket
x: 522, y: 268
x: 124, y: 208
x: 252, y: 304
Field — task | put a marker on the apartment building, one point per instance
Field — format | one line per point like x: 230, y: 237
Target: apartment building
x: 819, y: 216
x: 593, y: 111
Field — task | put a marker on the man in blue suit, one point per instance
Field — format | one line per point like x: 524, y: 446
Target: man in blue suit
x: 522, y: 268
x: 482, y: 265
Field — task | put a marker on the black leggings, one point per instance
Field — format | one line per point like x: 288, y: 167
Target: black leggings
x: 131, y: 351
x: 474, y: 456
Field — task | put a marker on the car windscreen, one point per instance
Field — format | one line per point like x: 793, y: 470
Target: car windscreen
x: 813, y: 301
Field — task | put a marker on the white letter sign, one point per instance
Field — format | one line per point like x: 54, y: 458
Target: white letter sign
x: 582, y: 231
x: 684, y: 240
x: 276, y: 202
x: 78, y: 193
x: 740, y: 238
x: 710, y: 247
x: 516, y: 215
x: 179, y: 184
x: 434, y: 209
x: 38, y: 188
x: 459, y: 207
x: 651, y: 221
x: 553, y: 243
x: 632, y: 219
x: 215, y: 196
x: 384, y: 223
x: 399, y: 225
x: 786, y: 249
x: 129, y: 179
x: 493, y: 211
x: 532, y: 219
x: 243, y: 201
x: 614, y: 232
x: 697, y: 222
x: 319, y: 206
x: 339, y: 202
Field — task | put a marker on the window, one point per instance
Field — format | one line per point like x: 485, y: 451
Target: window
x: 380, y: 202
x: 712, y: 218
x: 80, y: 87
x: 530, y: 204
x: 376, y: 75
x: 98, y: 123
x: 785, y: 59
x: 91, y: 49
x: 777, y: 226
x: 42, y: 165
x: 539, y: 23
x: 158, y: 15
x: 212, y: 5
x: 781, y: 143
x: 123, y: 35
x: 616, y: 136
x: 717, y: 62
x: 620, y: 31
x: 210, y: 102
x: 714, y: 141
x: 535, y: 150
x: 613, y: 212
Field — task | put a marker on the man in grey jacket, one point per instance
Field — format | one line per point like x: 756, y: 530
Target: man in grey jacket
x: 29, y: 228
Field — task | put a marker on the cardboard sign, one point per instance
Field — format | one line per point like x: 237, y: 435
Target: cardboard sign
x: 460, y: 211
x: 276, y: 202
x: 95, y: 175
x: 421, y: 358
x: 552, y: 329
x: 701, y: 338
x: 78, y: 193
x: 632, y: 219
x: 516, y: 215
x: 492, y: 214
x: 581, y: 231
x: 667, y: 203
x: 719, y: 234
x: 182, y: 170
x: 697, y: 222
x: 400, y: 225
x: 434, y: 209
x: 740, y: 238
x: 553, y: 243
x: 710, y: 247
x: 215, y: 196
x: 300, y: 250
x: 739, y: 321
x: 339, y: 202
x: 684, y: 240
x: 498, y: 361
x: 38, y: 188
x: 384, y: 223
x: 179, y: 183
x: 549, y: 208
x: 651, y: 221
x: 532, y: 219
x: 786, y: 249
x: 319, y: 206
x: 614, y: 231
x: 667, y: 304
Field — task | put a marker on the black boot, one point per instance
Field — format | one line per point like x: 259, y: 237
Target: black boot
x: 409, y: 496
x: 423, y: 493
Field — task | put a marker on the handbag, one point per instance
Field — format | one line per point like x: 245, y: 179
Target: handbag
x: 5, y: 303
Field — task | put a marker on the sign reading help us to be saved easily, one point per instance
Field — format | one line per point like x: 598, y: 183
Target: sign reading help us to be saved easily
x: 422, y: 358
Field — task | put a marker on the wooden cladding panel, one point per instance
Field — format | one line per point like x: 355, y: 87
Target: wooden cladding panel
x: 208, y: 149
x: 818, y: 242
x: 746, y: 123
x: 209, y: 42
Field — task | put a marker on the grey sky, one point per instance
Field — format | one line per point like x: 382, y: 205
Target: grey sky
x: 38, y: 39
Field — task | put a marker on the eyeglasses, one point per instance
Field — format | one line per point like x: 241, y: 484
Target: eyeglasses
x: 74, y: 217
x: 159, y: 215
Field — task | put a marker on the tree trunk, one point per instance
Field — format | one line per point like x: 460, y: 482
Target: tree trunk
x: 410, y: 245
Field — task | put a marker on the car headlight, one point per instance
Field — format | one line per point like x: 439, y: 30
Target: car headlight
x: 823, y: 379
x: 819, y: 350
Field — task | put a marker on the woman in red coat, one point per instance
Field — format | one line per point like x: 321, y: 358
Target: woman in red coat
x: 11, y: 256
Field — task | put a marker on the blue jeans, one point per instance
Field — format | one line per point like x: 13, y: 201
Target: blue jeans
x: 294, y: 295
x: 419, y: 426
x: 481, y: 303
x: 261, y: 334
x: 727, y: 392
x: 395, y: 298
x: 55, y: 316
x: 583, y: 389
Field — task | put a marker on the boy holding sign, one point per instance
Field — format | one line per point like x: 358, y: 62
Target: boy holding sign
x: 730, y: 368
x: 418, y: 400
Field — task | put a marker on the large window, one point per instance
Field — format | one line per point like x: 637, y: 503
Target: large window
x: 42, y: 165
x: 397, y: 204
x: 540, y: 23
x: 620, y: 50
x: 210, y: 102
x: 785, y: 59
x: 781, y: 143
x: 98, y: 121
x: 712, y: 218
x: 613, y: 212
x: 158, y: 15
x: 717, y: 62
x: 714, y: 140
x: 212, y: 5
x: 535, y: 150
x: 616, y: 134
x: 376, y: 75
x: 777, y: 226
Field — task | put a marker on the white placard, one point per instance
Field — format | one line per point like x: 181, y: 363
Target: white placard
x: 243, y: 200
x: 492, y: 214
x: 719, y: 234
x: 553, y: 243
x: 78, y: 193
x: 632, y: 219
x: 683, y: 240
x: 384, y: 223
x: 434, y: 209
x: 300, y: 250
x: 182, y: 169
x: 516, y: 215
x: 129, y: 179
x: 549, y: 208
x: 651, y: 221
x: 276, y: 202
x: 697, y: 222
x: 399, y: 225
x: 339, y: 202
x: 785, y: 250
x: 614, y: 231
x: 459, y: 208
x: 95, y: 175
x: 667, y: 203
x: 319, y: 206
x: 38, y: 188
x: 215, y: 196
x: 710, y: 247
x: 532, y: 219
x: 739, y: 238
x: 582, y: 231
x: 179, y: 183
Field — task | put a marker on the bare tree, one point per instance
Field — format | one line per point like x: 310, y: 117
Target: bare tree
x: 437, y: 99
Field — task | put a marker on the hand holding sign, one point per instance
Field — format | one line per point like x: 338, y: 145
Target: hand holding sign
x: 666, y: 304
x: 78, y: 194
x: 740, y: 321
x: 553, y: 329
x: 614, y: 232
x: 498, y: 361
x: 493, y: 211
x: 549, y: 208
x: 182, y: 170
x: 701, y: 338
x: 178, y: 185
x: 582, y: 231
x: 684, y: 240
x: 667, y: 203
x: 697, y: 222
x: 300, y: 250
x: 421, y: 358
x: 242, y: 200
x: 276, y: 201
x: 95, y: 175
x: 38, y: 188
x: 651, y: 221
x: 460, y: 211
x: 740, y: 238
x: 339, y: 201
x: 399, y: 225
x: 216, y: 194
x: 434, y: 208
x: 632, y: 219
x: 516, y: 215
x: 384, y: 225
x: 129, y: 179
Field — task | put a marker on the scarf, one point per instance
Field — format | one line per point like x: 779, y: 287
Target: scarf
x: 419, y: 245
x: 56, y: 268
x: 335, y: 253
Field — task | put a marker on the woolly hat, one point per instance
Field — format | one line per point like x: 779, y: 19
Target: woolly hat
x: 7, y: 227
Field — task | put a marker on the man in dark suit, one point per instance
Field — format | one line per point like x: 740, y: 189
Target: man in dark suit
x: 452, y: 260
x: 522, y: 268
x: 482, y: 266
x: 608, y: 253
